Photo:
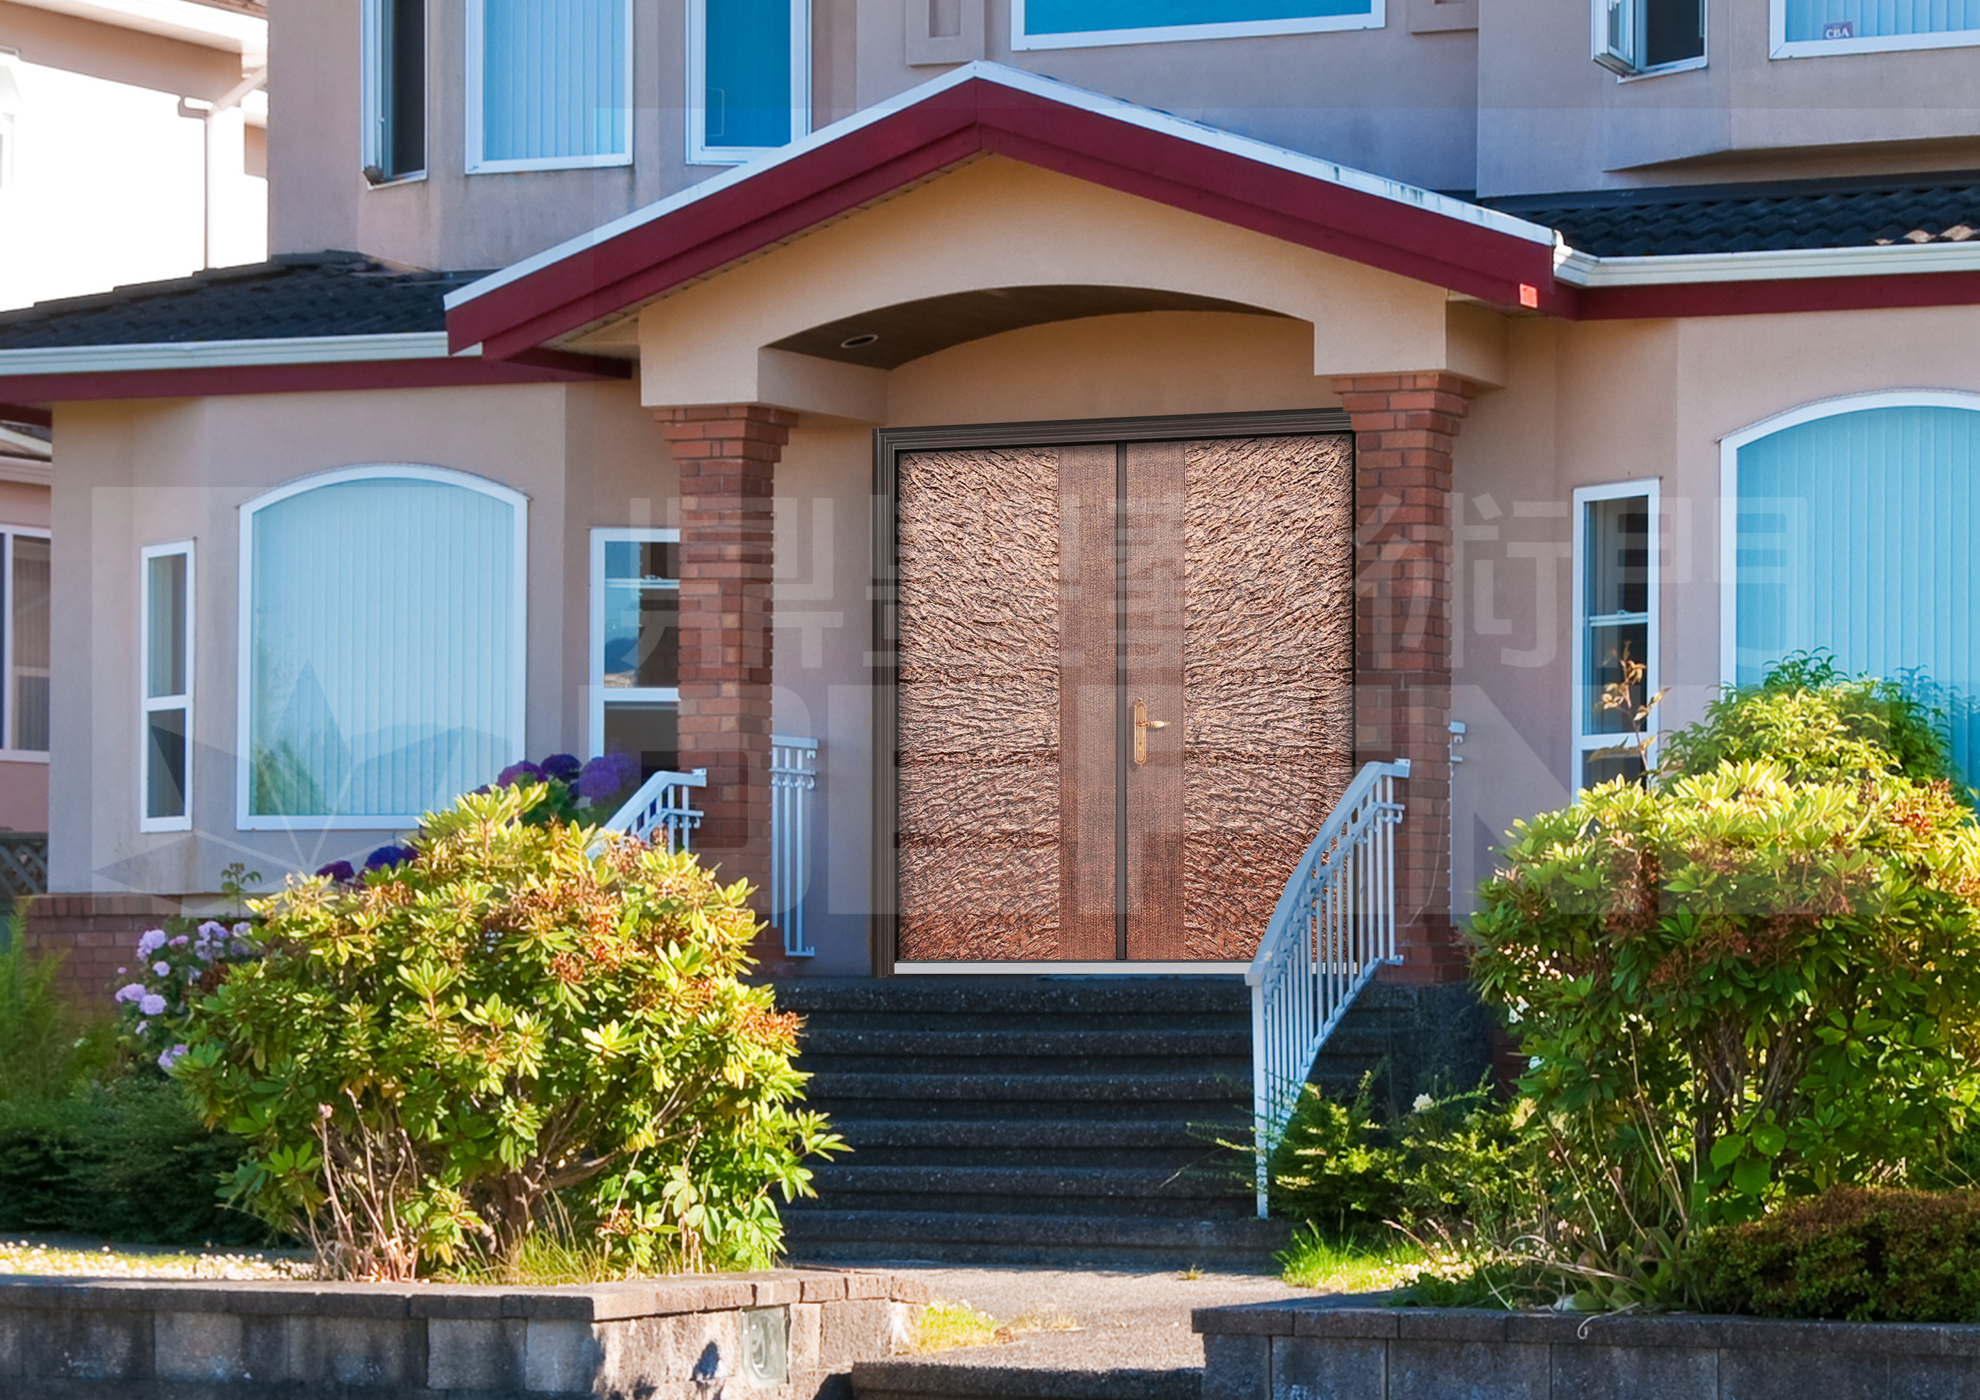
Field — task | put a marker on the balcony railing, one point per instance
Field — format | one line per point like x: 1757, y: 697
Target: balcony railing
x: 1333, y: 927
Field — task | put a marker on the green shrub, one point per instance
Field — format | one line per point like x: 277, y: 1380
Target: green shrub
x: 1334, y: 1167
x: 46, y: 1047
x: 1864, y: 1255
x: 430, y: 1060
x: 128, y: 1161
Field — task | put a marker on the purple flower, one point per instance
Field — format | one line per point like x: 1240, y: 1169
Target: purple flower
x: 152, y: 1004
x: 385, y: 857
x: 212, y: 928
x: 162, y: 968
x: 168, y: 1058
x: 338, y: 870
x: 122, y: 970
x: 130, y: 991
x: 607, y: 776
x: 561, y: 766
x: 150, y: 942
x: 519, y: 772
x: 243, y: 929
x: 179, y: 942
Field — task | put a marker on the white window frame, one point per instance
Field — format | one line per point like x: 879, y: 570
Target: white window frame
x: 1623, y: 61
x: 477, y: 164
x: 1729, y: 447
x: 699, y: 152
x: 10, y: 702
x: 244, y: 820
x: 1583, y: 743
x: 1778, y: 45
x: 595, y: 665
x: 150, y: 704
x: 1376, y: 18
x: 372, y: 103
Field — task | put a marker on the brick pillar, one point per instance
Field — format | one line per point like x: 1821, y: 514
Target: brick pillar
x: 1405, y: 426
x: 727, y: 455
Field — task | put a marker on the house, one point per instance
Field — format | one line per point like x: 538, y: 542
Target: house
x: 1102, y: 429
x: 130, y: 150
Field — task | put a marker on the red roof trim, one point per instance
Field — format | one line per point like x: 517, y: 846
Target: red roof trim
x: 284, y: 379
x: 975, y: 117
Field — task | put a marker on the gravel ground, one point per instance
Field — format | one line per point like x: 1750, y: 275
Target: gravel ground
x: 1125, y: 1320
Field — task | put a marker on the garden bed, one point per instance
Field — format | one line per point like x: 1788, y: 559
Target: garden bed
x: 783, y: 1335
x: 1272, y: 1351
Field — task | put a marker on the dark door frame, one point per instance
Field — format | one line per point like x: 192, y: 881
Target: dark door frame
x: 888, y: 445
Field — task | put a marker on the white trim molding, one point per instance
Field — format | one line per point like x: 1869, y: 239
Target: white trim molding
x: 1729, y: 447
x: 149, y: 705
x: 1582, y: 741
x: 227, y: 354
x: 478, y: 164
x: 244, y: 682
x: 1586, y: 270
x: 699, y: 151
x: 1374, y: 18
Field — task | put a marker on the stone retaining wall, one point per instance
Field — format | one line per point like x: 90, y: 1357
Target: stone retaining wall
x: 787, y: 1335
x: 1306, y: 1350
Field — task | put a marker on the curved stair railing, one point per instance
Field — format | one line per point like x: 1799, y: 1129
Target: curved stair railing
x: 1333, y: 927
x: 662, y: 811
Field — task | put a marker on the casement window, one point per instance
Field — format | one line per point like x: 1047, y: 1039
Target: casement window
x: 1851, y: 532
x: 635, y: 646
x: 381, y: 645
x: 1634, y: 37
x: 549, y: 84
x: 394, y: 83
x: 165, y: 660
x: 24, y: 594
x: 1072, y: 24
x: 1813, y: 28
x: 749, y: 77
x: 1616, y: 560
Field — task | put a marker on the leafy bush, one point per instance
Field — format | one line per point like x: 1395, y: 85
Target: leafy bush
x: 46, y: 1048
x: 128, y: 1161
x: 426, y: 1061
x: 1868, y: 1256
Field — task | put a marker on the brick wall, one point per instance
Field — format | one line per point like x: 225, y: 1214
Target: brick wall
x: 1405, y: 428
x: 96, y: 934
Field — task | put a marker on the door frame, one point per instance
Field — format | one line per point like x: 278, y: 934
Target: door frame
x: 888, y: 446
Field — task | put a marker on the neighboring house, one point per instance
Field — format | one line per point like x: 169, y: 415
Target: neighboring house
x: 1027, y: 370
x: 131, y: 149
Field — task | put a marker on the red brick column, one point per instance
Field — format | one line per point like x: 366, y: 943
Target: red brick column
x: 1405, y: 426
x: 727, y: 455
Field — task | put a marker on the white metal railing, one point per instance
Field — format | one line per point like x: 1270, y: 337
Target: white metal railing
x: 793, y: 776
x: 660, y: 811
x: 1334, y: 925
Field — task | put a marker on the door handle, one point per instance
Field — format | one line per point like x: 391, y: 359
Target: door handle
x: 1142, y: 724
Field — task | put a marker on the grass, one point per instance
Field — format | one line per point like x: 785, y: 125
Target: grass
x: 1314, y: 1261
x: 45, y: 1259
x: 946, y: 1326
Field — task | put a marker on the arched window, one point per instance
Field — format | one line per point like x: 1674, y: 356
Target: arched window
x: 1855, y: 523
x: 381, y: 636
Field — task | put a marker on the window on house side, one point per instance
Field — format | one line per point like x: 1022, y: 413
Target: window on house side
x: 165, y: 613
x: 1813, y: 28
x: 1064, y: 24
x: 635, y: 646
x: 394, y: 89
x: 1649, y: 36
x: 382, y: 643
x: 1615, y: 622
x: 549, y: 84
x: 749, y: 77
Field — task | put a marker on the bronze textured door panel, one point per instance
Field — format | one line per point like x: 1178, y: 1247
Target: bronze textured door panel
x: 1124, y: 692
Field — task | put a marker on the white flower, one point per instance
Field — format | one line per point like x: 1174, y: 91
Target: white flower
x: 1424, y: 1103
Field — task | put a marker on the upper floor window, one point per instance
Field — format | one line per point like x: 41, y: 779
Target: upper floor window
x: 549, y: 84
x: 394, y: 89
x: 381, y: 644
x: 749, y: 77
x: 1649, y: 36
x: 1807, y: 28
x: 1072, y: 24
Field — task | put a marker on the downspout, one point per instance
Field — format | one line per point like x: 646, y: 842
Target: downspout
x: 205, y: 112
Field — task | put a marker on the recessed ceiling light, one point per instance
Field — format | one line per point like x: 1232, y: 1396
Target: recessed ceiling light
x: 858, y: 342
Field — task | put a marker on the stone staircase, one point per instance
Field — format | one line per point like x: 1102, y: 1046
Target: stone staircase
x: 1062, y: 1122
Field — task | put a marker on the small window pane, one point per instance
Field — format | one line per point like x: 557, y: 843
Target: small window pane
x: 1618, y: 544
x: 1599, y: 768
x: 165, y: 627
x: 30, y: 620
x: 650, y: 733
x: 642, y: 615
x: 1673, y: 31
x: 165, y: 763
x: 747, y: 72
x: 1608, y: 649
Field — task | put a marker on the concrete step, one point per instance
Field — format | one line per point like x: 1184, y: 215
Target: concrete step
x: 1034, y: 1090
x: 1213, y: 1190
x: 831, y: 1037
x: 1002, y: 998
x: 1052, y: 1241
x: 932, y: 1378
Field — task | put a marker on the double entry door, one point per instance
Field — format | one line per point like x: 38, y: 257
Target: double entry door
x: 1123, y: 701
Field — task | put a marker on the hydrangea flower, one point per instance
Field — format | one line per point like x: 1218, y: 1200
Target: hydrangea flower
x: 170, y: 1057
x: 152, y: 1004
x: 130, y: 991
x: 162, y: 968
x: 338, y: 870
x: 150, y: 942
x: 385, y: 857
x: 519, y: 772
x: 178, y: 942
x: 606, y: 776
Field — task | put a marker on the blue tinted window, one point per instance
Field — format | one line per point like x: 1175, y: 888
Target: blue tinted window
x: 746, y: 73
x: 1044, y: 17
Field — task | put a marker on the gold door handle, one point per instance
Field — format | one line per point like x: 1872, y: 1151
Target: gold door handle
x: 1142, y: 724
